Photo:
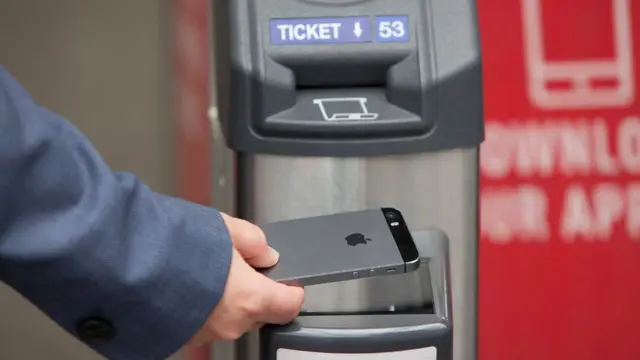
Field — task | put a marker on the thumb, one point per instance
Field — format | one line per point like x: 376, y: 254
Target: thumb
x: 250, y: 242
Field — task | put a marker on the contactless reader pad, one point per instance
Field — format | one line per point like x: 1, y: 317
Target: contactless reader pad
x: 348, y: 77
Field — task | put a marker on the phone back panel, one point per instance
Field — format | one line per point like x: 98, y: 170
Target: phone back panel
x: 332, y: 248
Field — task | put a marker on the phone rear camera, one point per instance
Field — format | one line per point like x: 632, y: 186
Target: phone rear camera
x: 391, y: 216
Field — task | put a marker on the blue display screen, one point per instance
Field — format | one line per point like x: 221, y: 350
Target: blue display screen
x: 339, y: 30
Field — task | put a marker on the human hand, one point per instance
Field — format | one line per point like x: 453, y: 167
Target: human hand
x: 250, y: 299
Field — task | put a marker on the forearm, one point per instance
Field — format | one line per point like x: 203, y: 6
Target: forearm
x: 82, y: 242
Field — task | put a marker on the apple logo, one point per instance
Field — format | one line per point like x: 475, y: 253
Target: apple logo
x: 356, y: 238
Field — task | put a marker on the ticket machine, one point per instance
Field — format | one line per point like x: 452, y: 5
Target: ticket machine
x: 336, y: 105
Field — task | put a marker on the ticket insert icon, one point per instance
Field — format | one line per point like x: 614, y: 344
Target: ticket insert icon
x: 349, y: 108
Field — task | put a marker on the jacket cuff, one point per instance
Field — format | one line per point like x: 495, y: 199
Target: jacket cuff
x: 170, y: 288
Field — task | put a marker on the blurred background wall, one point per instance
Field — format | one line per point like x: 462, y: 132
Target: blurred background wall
x: 106, y: 66
x: 560, y: 168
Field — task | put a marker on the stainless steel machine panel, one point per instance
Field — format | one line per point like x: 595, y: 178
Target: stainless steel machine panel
x: 432, y: 190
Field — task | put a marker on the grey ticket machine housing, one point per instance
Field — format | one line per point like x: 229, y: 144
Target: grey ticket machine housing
x: 326, y: 103
x: 421, y: 333
x: 302, y: 81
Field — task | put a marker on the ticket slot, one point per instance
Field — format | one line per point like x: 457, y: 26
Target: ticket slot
x: 344, y: 94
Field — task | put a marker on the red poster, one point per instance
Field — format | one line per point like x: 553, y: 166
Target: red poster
x: 191, y: 63
x: 560, y: 180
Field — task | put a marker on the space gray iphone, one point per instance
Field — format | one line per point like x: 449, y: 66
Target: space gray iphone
x: 340, y: 247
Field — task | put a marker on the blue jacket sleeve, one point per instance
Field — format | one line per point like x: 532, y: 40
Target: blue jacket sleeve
x: 132, y: 273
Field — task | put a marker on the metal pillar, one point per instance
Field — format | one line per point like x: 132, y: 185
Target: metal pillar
x: 437, y: 189
x: 433, y: 190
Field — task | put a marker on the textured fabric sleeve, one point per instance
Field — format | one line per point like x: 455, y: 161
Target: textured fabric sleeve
x: 86, y: 244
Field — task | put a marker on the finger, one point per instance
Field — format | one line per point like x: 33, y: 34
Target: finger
x: 236, y: 311
x: 282, y: 303
x: 235, y: 328
x: 234, y: 325
x: 250, y: 242
x: 258, y: 325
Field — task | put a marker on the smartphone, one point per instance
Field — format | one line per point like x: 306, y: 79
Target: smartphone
x: 565, y: 72
x: 339, y: 247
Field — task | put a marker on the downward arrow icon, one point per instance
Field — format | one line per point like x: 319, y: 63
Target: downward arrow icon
x: 357, y: 29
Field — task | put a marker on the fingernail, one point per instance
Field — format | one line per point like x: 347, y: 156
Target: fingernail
x: 274, y: 253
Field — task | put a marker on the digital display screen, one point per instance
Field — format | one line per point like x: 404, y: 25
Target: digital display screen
x: 339, y: 30
x: 392, y: 28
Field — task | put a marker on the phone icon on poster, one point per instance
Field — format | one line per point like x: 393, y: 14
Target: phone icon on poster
x: 575, y: 61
